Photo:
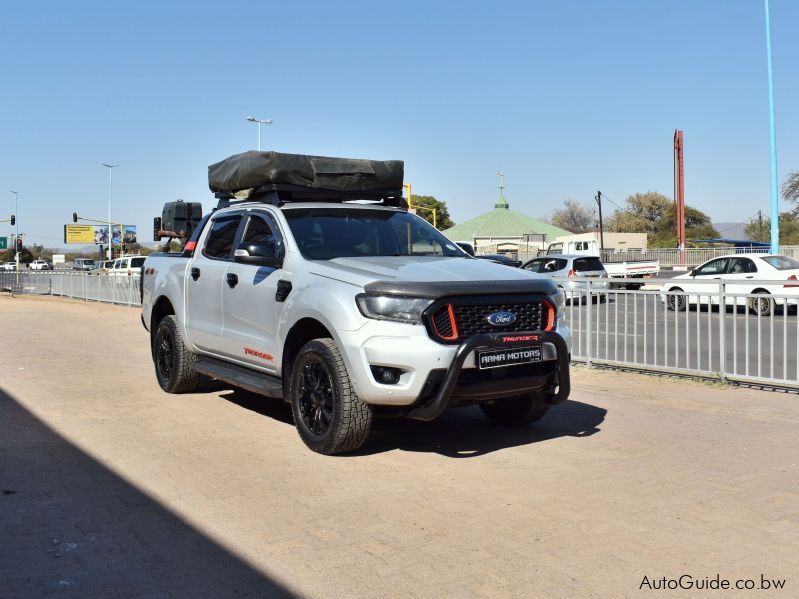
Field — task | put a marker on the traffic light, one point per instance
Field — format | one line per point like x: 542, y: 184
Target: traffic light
x: 13, y: 220
x: 74, y: 217
x: 19, y: 244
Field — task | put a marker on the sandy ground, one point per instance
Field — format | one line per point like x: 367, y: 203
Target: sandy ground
x: 110, y: 487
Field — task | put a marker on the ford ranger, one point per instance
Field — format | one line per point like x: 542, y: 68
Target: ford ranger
x: 312, y: 282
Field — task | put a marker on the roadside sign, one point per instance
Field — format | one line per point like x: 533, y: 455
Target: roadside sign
x: 78, y: 233
x: 3, y: 243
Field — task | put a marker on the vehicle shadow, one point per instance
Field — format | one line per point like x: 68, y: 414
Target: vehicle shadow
x: 467, y: 433
x: 71, y: 525
x: 276, y: 409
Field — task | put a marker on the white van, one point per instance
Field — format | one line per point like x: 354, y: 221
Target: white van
x: 127, y: 267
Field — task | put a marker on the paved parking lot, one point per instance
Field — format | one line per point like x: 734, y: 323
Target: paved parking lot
x: 109, y: 487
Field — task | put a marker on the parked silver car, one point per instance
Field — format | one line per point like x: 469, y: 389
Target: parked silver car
x: 573, y: 273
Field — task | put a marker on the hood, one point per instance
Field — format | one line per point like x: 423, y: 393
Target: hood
x: 422, y: 269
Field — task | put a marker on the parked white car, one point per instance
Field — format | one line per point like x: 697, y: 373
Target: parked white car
x: 40, y: 265
x: 8, y: 266
x: 744, y: 273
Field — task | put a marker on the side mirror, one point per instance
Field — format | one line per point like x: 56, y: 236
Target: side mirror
x: 692, y: 272
x: 259, y: 253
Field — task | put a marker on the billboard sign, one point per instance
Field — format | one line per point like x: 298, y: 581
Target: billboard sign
x: 98, y: 234
x: 129, y: 237
x: 79, y: 234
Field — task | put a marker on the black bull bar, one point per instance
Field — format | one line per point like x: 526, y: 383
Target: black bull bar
x: 432, y: 410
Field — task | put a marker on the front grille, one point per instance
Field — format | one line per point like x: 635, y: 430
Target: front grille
x: 472, y: 319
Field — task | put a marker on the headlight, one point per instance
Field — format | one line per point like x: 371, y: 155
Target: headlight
x: 399, y: 309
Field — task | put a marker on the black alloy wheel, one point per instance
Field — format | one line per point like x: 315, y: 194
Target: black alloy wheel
x: 165, y: 356
x: 315, y: 396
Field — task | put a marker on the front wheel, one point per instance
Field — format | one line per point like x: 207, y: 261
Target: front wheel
x: 676, y: 303
x: 329, y: 416
x: 516, y: 411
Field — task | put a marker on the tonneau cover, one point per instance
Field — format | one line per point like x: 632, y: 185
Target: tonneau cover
x: 253, y: 169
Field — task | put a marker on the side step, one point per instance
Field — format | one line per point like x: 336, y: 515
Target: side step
x: 257, y: 382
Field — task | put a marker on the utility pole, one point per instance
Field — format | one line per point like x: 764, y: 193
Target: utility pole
x: 598, y: 199
x: 679, y: 192
x: 760, y: 225
x: 110, y: 192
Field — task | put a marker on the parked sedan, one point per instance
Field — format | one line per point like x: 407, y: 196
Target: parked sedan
x: 40, y: 265
x: 743, y: 273
x: 8, y: 266
x: 574, y: 273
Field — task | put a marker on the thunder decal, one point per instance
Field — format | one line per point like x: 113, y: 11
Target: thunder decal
x: 258, y: 354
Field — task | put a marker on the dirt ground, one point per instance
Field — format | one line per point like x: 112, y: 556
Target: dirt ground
x: 110, y: 487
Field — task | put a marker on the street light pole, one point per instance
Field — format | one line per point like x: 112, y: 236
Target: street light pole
x: 252, y: 119
x: 775, y: 206
x: 110, y: 192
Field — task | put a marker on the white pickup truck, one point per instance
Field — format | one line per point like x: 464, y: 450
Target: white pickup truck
x: 348, y: 309
x: 616, y: 269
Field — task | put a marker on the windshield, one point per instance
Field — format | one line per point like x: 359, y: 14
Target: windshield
x: 782, y: 262
x: 328, y: 233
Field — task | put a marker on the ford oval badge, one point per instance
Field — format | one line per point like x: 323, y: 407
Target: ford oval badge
x: 501, y: 319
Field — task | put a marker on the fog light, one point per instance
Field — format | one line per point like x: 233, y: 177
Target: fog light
x: 386, y: 375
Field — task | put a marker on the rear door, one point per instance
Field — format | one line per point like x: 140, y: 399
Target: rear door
x: 249, y: 299
x: 205, y: 279
x: 740, y: 274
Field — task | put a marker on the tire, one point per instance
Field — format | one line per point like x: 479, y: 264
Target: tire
x: 174, y: 363
x: 634, y: 286
x: 516, y: 411
x: 763, y: 305
x: 329, y: 416
x: 676, y: 303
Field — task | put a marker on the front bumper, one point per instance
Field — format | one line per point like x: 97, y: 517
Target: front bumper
x: 426, y: 364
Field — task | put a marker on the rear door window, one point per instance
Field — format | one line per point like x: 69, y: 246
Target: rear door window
x: 137, y: 262
x: 588, y: 265
x: 219, y: 243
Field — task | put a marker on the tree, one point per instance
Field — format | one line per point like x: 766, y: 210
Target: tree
x: 654, y: 214
x: 761, y: 230
x: 790, y: 190
x: 443, y: 220
x: 575, y: 217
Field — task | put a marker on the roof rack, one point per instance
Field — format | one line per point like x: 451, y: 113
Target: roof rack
x: 280, y: 194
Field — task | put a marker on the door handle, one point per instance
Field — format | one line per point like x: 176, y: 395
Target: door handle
x: 195, y: 273
x: 232, y: 280
x: 750, y: 277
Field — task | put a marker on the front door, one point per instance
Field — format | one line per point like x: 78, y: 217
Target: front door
x: 205, y: 282
x: 251, y: 308
x: 705, y: 293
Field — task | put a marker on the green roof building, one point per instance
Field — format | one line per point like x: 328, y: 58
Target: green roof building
x: 505, y: 230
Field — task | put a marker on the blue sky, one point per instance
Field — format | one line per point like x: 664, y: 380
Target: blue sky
x: 566, y: 97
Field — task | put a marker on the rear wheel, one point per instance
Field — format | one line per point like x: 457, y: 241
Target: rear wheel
x: 516, y: 411
x: 761, y: 304
x: 677, y: 303
x: 174, y: 363
x: 329, y: 416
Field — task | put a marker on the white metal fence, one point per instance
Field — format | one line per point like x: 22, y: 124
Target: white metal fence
x: 717, y: 329
x: 720, y: 334
x: 108, y: 288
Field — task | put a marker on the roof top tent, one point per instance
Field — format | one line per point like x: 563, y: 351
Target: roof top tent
x: 276, y: 178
